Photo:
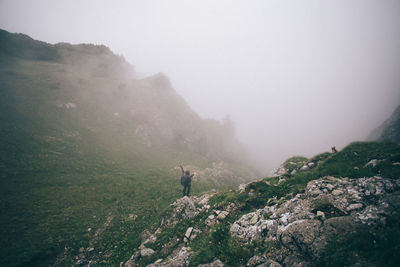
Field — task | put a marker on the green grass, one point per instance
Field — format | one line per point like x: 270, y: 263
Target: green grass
x: 218, y: 243
x: 294, y: 163
x: 66, y: 170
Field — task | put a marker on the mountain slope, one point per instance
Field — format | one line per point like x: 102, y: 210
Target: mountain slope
x: 343, y: 210
x: 88, y: 152
x: 389, y: 130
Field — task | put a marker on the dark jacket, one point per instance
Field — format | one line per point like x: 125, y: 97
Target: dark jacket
x: 185, y: 179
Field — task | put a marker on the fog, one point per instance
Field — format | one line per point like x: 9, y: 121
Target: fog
x: 296, y: 77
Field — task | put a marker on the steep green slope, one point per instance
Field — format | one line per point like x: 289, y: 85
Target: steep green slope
x: 87, y: 152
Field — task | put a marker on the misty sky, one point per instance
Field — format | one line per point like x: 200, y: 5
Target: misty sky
x: 296, y: 77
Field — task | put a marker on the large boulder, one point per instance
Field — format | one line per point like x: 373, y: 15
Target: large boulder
x: 184, y: 208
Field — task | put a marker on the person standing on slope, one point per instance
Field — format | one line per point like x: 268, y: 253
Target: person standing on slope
x: 186, y: 181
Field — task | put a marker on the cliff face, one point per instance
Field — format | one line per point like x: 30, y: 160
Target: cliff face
x: 389, y: 130
x: 342, y: 210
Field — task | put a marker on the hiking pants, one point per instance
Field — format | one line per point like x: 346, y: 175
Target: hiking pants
x: 186, y: 189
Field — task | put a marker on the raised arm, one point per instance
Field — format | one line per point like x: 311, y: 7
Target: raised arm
x: 183, y: 171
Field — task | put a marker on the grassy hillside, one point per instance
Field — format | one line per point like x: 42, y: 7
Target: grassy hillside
x: 354, y: 161
x: 87, y: 152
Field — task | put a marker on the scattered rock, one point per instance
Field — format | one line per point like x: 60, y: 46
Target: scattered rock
x: 320, y: 215
x: 304, y: 168
x: 330, y: 187
x: 146, y: 252
x: 355, y: 206
x: 222, y: 215
x: 185, y: 208
x: 188, y: 232
x: 301, y: 225
x: 216, y: 263
x: 337, y: 192
x: 254, y: 219
x: 271, y: 263
x: 256, y: 260
x: 210, y: 220
x: 132, y: 216
x: 372, y: 163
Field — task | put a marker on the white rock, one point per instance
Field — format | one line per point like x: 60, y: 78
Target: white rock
x: 188, y: 232
x: 337, y: 192
x: 146, y: 252
x: 222, y: 215
x: 321, y: 215
x: 330, y: 187
x: 285, y: 218
x: 242, y: 188
x: 304, y: 168
x: 354, y: 206
x: 254, y: 219
x: 372, y: 163
x: 311, y: 164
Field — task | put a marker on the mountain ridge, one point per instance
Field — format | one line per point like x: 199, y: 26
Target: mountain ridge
x: 389, y: 130
x: 342, y: 210
x: 86, y: 145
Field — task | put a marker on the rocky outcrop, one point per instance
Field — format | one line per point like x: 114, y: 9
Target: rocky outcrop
x: 184, y: 208
x: 299, y: 226
x: 305, y: 223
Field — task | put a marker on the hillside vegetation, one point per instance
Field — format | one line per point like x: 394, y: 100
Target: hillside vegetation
x: 88, y: 153
x: 342, y: 210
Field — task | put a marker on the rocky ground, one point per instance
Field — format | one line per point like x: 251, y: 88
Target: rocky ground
x: 290, y: 219
x: 300, y: 226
